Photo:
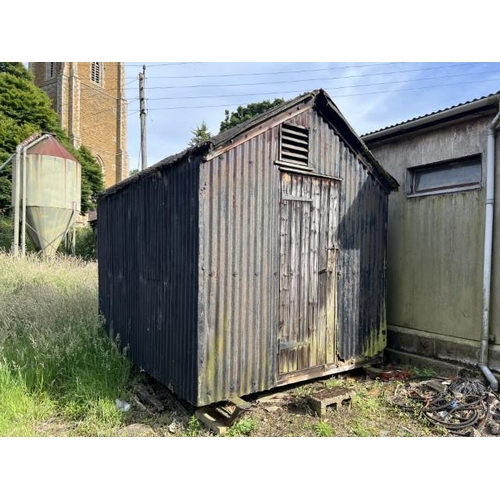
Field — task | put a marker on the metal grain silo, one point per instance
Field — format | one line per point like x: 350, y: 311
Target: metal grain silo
x: 47, y: 197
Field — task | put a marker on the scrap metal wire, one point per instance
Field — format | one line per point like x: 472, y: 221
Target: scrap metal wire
x: 459, y: 405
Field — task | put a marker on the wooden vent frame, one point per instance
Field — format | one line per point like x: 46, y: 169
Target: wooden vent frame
x: 294, y: 145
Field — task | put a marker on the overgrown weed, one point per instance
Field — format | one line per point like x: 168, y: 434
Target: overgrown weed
x: 242, y: 427
x: 53, y: 347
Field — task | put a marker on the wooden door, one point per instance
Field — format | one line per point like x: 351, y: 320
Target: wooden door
x: 308, y: 272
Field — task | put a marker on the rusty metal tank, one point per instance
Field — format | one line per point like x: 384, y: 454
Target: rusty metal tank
x: 53, y: 193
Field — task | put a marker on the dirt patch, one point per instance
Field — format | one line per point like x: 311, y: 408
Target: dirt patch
x: 375, y: 409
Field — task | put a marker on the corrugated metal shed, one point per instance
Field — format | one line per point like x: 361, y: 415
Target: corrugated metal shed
x: 231, y: 269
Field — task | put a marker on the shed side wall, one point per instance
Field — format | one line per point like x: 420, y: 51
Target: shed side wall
x: 436, y: 248
x: 148, y: 273
x: 436, y: 242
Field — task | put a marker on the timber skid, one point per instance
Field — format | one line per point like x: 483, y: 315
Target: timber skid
x: 219, y: 417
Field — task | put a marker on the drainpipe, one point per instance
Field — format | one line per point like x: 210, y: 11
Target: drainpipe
x: 488, y: 250
x: 16, y: 194
x: 23, y: 204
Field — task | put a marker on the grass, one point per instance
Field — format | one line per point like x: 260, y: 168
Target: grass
x: 242, y: 427
x: 60, y: 374
x: 323, y: 429
x: 55, y: 360
x: 194, y: 427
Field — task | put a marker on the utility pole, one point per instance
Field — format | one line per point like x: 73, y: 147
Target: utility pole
x: 142, y: 114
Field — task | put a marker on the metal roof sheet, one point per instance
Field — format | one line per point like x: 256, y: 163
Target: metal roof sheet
x: 389, y: 127
x: 51, y: 147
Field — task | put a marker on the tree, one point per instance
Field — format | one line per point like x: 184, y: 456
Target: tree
x: 244, y: 113
x: 24, y: 110
x: 201, y: 134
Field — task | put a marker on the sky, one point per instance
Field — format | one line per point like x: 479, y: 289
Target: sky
x: 371, y: 95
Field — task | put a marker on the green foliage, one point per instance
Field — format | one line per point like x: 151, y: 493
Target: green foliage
x: 16, y: 69
x: 55, y: 360
x: 201, y: 134
x: 20, y: 409
x: 23, y: 101
x: 323, y: 429
x: 244, y: 113
x: 194, y: 427
x: 422, y: 372
x: 92, y: 179
x: 5, y: 233
x: 85, y: 247
x: 24, y: 110
x: 242, y: 427
x: 333, y: 382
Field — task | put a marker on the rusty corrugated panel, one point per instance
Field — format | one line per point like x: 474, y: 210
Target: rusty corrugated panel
x: 239, y: 270
x: 51, y: 147
x: 148, y: 268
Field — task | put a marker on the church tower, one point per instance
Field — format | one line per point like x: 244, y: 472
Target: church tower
x: 89, y: 98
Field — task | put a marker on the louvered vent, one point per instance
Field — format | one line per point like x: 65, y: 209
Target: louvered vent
x: 294, y: 144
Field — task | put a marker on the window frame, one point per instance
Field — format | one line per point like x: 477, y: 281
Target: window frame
x: 98, y: 70
x: 50, y: 70
x: 412, y: 172
x: 100, y: 162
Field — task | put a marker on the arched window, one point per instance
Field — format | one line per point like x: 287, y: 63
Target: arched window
x: 101, y: 163
x: 96, y: 73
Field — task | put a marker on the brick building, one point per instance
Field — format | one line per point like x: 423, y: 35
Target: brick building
x: 90, y: 100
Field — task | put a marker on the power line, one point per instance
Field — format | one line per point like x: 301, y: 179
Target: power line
x: 107, y: 109
x: 329, y: 91
x: 335, y: 88
x: 313, y: 71
x: 159, y: 64
x: 311, y: 80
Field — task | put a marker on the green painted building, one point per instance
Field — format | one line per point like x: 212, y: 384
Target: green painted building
x: 438, y: 262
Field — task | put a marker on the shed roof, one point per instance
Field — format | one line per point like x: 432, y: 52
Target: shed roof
x: 319, y: 99
x: 478, y: 106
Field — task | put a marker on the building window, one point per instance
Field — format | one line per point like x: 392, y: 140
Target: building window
x: 445, y: 177
x: 101, y: 163
x: 96, y: 73
x: 50, y: 70
x: 294, y: 146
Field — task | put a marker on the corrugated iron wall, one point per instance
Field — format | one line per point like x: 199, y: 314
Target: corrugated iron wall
x: 148, y: 270
x: 362, y: 237
x: 239, y: 270
x: 189, y: 265
x: 239, y: 260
